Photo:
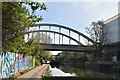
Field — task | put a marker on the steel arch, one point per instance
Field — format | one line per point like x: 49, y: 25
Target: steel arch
x: 56, y: 33
x: 67, y: 28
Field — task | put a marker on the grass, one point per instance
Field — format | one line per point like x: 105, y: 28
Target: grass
x: 21, y: 73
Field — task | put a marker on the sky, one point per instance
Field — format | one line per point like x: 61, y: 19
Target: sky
x: 78, y: 14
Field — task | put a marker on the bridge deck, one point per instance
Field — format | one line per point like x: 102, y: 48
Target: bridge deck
x: 61, y: 47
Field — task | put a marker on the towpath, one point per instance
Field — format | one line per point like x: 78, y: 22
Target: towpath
x: 35, y: 74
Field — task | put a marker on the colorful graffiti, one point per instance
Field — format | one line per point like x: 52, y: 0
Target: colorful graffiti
x: 14, y: 63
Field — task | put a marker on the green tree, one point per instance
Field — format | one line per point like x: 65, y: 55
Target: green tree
x: 46, y: 54
x: 34, y: 49
x: 42, y: 38
x: 15, y: 18
x: 95, y: 32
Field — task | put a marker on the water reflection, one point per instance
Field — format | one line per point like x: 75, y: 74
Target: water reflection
x: 54, y: 63
x: 58, y: 72
x: 67, y: 70
x: 83, y: 73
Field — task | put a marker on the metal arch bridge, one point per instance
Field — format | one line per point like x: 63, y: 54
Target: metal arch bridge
x: 63, y: 47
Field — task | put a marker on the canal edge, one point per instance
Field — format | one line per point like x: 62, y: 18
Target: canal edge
x: 43, y: 71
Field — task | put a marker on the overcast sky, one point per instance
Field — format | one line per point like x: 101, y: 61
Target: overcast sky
x: 78, y: 14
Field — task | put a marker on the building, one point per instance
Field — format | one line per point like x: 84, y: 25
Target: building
x: 111, y: 30
x: 111, y: 37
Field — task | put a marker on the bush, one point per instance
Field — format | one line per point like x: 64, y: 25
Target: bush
x: 12, y: 77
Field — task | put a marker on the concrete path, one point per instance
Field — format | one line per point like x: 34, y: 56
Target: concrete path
x: 35, y: 74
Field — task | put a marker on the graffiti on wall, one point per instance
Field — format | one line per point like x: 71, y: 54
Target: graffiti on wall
x: 14, y: 63
x: 6, y: 64
x: 22, y: 63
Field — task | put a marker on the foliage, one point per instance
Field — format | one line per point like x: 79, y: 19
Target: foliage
x: 12, y: 77
x: 42, y: 38
x: 12, y: 22
x: 15, y: 18
x: 52, y: 57
x: 95, y: 31
x: 46, y: 55
x: 34, y: 49
x: 34, y: 7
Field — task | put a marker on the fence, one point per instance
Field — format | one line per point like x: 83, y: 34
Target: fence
x: 14, y: 63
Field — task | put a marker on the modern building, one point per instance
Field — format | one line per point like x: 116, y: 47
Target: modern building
x: 111, y: 36
x: 111, y: 30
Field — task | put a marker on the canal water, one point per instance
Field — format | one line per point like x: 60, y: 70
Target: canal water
x: 69, y: 71
x: 57, y: 72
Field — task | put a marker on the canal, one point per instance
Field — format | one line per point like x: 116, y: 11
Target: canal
x: 73, y: 72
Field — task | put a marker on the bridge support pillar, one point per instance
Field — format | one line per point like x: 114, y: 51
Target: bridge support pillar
x: 54, y: 38
x: 69, y: 38
x: 79, y: 38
